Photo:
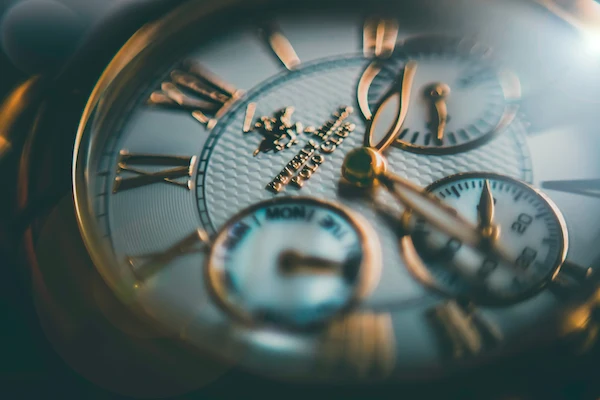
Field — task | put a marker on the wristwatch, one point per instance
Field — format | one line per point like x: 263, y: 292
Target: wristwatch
x: 323, y: 198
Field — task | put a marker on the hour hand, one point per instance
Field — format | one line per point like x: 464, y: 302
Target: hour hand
x: 437, y: 93
x: 365, y: 167
x: 485, y: 213
x: 291, y: 263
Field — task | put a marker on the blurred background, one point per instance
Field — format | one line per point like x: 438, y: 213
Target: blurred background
x: 36, y: 36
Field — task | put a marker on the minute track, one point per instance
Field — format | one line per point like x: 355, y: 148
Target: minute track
x: 534, y: 226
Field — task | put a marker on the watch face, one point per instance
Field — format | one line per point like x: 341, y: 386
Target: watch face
x: 345, y: 190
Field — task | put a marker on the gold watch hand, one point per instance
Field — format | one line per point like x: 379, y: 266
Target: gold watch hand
x: 399, y: 95
x: 291, y: 262
x: 438, y: 94
x: 485, y: 213
x: 365, y: 167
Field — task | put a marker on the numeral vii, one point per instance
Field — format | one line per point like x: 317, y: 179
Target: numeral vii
x: 147, y: 265
x: 194, y: 88
x: 137, y: 166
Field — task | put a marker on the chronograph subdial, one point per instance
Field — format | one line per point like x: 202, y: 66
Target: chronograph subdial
x: 292, y: 262
x: 528, y: 225
x: 459, y: 98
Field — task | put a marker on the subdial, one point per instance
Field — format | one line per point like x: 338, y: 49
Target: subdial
x: 459, y: 98
x: 528, y: 225
x: 292, y: 262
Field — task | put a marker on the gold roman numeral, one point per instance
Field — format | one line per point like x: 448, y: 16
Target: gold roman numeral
x: 379, y: 37
x: 281, y: 46
x: 147, y: 265
x: 461, y: 331
x: 132, y: 163
x: 359, y: 345
x: 195, y: 89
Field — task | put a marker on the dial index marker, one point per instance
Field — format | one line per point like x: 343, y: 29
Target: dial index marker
x: 379, y: 37
x: 362, y: 343
x: 569, y: 278
x: 194, y: 88
x: 145, y: 266
x: 181, y: 167
x: 281, y: 46
x: 462, y: 331
x: 584, y: 187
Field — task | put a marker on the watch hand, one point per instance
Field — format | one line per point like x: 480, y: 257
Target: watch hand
x: 291, y: 262
x: 428, y: 207
x: 366, y: 166
x: 438, y: 94
x: 399, y: 95
x: 485, y: 213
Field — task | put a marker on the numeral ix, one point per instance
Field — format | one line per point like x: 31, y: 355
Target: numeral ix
x: 180, y: 167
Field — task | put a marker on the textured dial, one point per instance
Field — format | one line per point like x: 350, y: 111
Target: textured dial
x: 233, y: 178
x: 190, y: 135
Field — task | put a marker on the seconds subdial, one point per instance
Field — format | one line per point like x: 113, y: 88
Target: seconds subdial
x: 458, y: 98
x: 527, y: 224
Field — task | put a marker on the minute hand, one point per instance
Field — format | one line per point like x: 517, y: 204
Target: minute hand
x: 438, y: 94
x: 443, y: 217
x: 365, y: 166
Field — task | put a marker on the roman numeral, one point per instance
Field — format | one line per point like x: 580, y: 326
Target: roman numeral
x: 584, y: 187
x: 195, y: 89
x: 281, y: 46
x: 132, y: 163
x: 360, y: 345
x: 379, y: 37
x: 570, y: 278
x: 147, y: 265
x: 461, y: 330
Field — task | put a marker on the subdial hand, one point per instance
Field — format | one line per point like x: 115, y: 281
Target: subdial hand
x: 485, y: 213
x: 364, y: 167
x: 291, y: 262
x: 399, y: 95
x: 367, y: 166
x: 438, y: 93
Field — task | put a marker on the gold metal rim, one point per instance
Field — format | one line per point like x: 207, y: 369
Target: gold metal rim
x: 140, y: 44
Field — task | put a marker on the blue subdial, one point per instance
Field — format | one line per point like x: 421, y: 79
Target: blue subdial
x: 292, y: 261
